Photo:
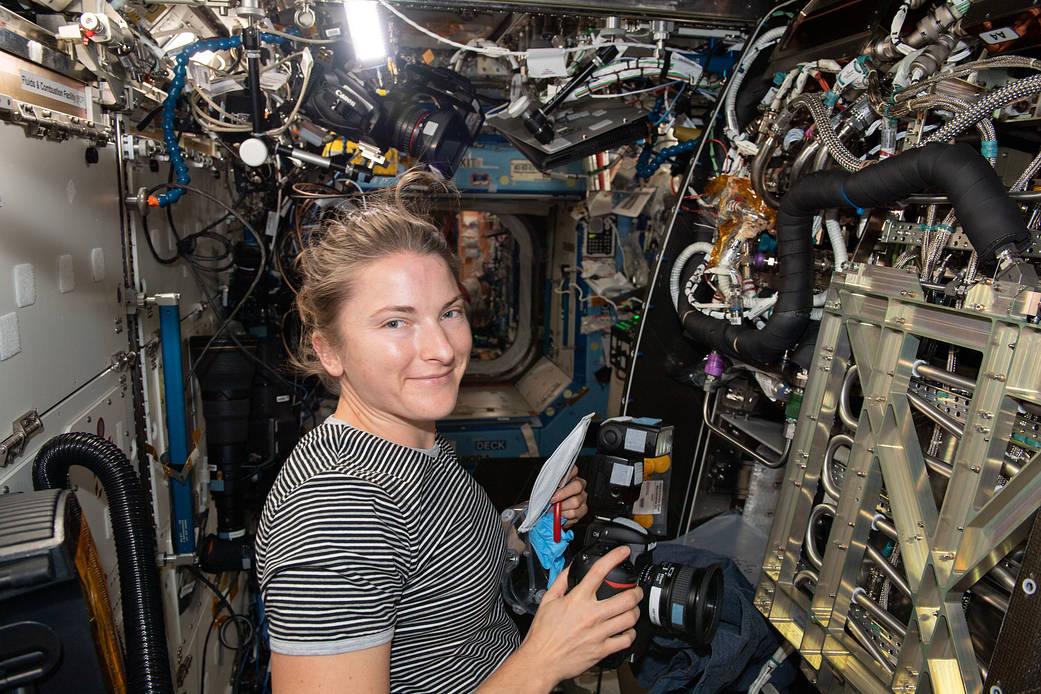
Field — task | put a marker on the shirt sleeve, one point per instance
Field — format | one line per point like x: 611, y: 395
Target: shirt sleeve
x: 336, y: 565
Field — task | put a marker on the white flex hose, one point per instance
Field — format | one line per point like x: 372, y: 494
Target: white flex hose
x: 677, y: 268
x: 730, y: 103
x: 838, y: 241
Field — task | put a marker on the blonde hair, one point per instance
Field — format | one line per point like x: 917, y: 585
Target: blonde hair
x: 382, y: 224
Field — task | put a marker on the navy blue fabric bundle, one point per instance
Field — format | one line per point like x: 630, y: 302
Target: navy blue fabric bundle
x: 744, y: 639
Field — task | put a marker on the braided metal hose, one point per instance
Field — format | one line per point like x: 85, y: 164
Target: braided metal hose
x: 930, y: 220
x: 939, y: 242
x: 822, y: 154
x: 971, y: 268
x: 845, y: 158
x: 1004, y: 62
x: 1028, y: 173
x: 983, y: 107
x: 956, y: 106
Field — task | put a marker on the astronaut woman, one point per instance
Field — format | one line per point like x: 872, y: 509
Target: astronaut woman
x: 379, y: 557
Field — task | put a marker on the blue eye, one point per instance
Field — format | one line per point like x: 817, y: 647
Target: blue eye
x: 452, y: 313
x: 394, y: 324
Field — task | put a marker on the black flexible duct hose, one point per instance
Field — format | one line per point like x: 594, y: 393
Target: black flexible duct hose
x: 147, y: 661
x: 988, y: 216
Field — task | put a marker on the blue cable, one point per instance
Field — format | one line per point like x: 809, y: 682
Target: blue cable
x: 665, y: 115
x: 645, y: 166
x: 858, y: 208
x: 181, y: 176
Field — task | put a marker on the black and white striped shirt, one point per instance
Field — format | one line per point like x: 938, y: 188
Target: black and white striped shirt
x: 363, y: 541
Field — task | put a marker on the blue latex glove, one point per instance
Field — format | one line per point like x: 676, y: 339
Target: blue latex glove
x: 550, y: 553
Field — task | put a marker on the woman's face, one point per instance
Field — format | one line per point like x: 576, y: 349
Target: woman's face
x: 404, y: 343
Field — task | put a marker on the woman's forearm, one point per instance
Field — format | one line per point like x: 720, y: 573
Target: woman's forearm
x: 518, y: 674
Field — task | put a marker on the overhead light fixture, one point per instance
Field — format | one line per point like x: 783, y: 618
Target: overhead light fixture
x: 363, y: 22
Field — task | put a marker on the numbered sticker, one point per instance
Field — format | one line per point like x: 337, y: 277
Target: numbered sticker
x: 999, y: 35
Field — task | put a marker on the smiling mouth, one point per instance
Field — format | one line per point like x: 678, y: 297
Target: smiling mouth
x: 436, y: 377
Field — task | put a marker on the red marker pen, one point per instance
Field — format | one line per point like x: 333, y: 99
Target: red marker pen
x: 556, y: 522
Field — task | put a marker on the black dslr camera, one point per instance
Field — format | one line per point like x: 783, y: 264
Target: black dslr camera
x: 431, y: 114
x: 679, y: 600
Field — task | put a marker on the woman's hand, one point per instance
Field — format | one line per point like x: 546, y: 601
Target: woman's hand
x: 572, y: 497
x: 572, y: 632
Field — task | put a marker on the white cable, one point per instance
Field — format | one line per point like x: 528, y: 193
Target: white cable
x: 457, y: 58
x: 723, y: 275
x: 495, y: 53
x: 500, y: 52
x: 758, y: 306
x: 779, y: 96
x: 677, y: 268
x: 634, y: 92
x: 241, y: 125
x: 734, y: 85
x: 896, y: 27
x: 299, y: 101
x: 216, y: 107
x: 622, y: 70
x: 767, y: 671
x: 294, y: 37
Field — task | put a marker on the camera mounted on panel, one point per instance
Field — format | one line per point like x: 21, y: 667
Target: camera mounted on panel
x: 431, y: 115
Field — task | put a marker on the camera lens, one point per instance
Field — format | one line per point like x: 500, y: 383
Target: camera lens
x: 684, y: 600
x: 438, y: 137
x: 610, y: 438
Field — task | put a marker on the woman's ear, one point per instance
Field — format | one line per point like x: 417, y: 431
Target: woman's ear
x: 327, y: 355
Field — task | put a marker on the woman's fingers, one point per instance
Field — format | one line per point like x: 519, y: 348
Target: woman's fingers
x: 600, y: 569
x: 572, y: 498
x: 623, y: 602
x: 621, y: 622
x: 573, y: 488
x: 559, y: 586
x: 575, y: 515
x: 619, y: 642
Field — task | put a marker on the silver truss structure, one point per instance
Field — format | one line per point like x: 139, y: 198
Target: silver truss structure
x: 948, y: 518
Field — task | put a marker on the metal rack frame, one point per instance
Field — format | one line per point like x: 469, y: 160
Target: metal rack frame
x: 876, y: 317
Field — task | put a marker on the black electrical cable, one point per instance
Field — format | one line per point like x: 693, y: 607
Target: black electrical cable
x: 147, y: 233
x: 238, y: 672
x: 221, y: 260
x: 206, y: 233
x: 233, y: 618
x: 183, y: 245
x: 261, y: 266
x: 205, y: 646
x: 244, y: 641
x: 235, y: 340
x: 197, y: 572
